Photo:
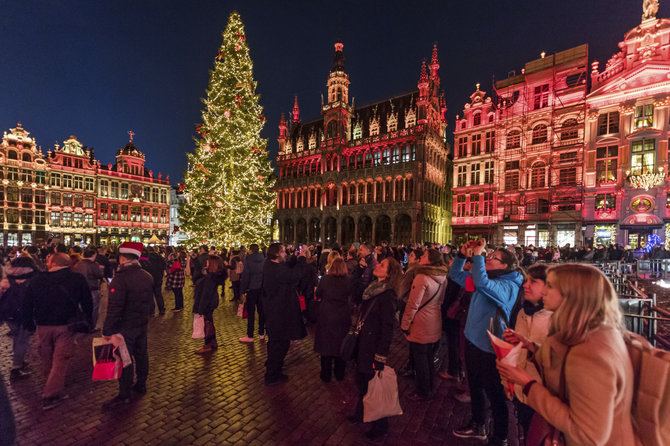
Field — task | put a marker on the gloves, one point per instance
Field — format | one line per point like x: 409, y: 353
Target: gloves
x: 377, y: 366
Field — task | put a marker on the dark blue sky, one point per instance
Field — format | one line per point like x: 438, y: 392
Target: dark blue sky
x: 97, y: 69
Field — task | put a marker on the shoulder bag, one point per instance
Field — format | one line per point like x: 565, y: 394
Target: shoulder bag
x: 350, y: 341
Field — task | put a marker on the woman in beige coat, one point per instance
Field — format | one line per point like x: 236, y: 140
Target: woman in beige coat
x: 422, y: 319
x: 587, y: 332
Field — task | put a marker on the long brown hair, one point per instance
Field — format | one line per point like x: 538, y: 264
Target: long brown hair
x: 214, y: 264
x: 393, y: 273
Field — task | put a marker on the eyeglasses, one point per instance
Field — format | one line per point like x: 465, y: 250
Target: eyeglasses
x: 493, y: 257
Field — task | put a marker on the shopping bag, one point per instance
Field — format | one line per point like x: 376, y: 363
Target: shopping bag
x: 382, y: 398
x: 107, y: 363
x: 508, y: 354
x: 240, y: 310
x: 198, y: 326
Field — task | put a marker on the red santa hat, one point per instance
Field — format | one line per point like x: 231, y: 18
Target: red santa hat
x: 134, y: 248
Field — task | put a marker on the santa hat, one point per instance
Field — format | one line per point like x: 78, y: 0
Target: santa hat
x: 134, y: 248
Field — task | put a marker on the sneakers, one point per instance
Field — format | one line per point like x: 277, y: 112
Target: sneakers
x: 17, y: 374
x: 471, y: 430
x: 115, y: 402
x: 203, y: 350
x: 248, y: 339
x: 53, y: 401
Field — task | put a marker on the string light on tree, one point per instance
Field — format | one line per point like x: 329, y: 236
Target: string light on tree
x: 229, y: 185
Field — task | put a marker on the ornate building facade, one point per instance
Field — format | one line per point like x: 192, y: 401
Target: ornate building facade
x: 627, y: 193
x: 518, y: 155
x: 378, y: 173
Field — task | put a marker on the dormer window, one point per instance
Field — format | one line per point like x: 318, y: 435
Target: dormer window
x: 299, y: 145
x: 374, y: 127
x: 392, y: 123
x: 312, y: 142
x: 476, y: 119
x: 491, y: 118
x: 288, y: 148
x: 410, y: 119
x: 358, y: 131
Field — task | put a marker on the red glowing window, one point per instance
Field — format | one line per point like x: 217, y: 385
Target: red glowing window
x: 539, y: 134
x: 541, y: 97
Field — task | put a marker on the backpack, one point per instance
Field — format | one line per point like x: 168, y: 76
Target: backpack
x: 12, y: 301
x: 651, y: 395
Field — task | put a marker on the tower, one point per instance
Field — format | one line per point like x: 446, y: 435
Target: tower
x: 337, y: 111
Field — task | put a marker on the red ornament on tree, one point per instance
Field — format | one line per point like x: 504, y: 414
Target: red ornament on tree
x: 220, y: 56
x: 226, y: 113
x: 237, y: 47
x: 261, y: 117
x: 238, y: 100
x: 241, y: 37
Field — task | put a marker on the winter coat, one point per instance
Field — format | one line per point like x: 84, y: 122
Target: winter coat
x: 108, y: 270
x: 376, y: 334
x: 53, y: 297
x: 362, y: 277
x: 535, y: 328
x: 197, y: 265
x: 309, y: 279
x: 599, y: 383
x: 91, y: 272
x: 283, y: 320
x: 252, y: 275
x: 156, y: 267
x: 489, y: 295
x: 206, y: 294
x: 175, y: 276
x: 406, y: 283
x: 234, y: 275
x: 131, y: 294
x: 425, y: 325
x: 334, y: 317
x: 15, y: 291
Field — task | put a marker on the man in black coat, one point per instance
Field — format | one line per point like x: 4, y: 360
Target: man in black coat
x: 362, y: 274
x: 130, y: 297
x: 251, y: 286
x: 283, y: 320
x: 155, y: 264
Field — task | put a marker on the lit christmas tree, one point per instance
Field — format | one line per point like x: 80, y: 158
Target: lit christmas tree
x: 228, y: 181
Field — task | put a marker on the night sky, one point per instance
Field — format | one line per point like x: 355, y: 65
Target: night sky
x: 97, y: 69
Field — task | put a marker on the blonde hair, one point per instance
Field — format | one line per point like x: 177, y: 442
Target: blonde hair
x: 589, y: 301
x: 332, y: 255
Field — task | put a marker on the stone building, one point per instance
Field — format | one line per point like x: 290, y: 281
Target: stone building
x: 378, y: 173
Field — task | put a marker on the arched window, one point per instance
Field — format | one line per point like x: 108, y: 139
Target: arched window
x: 538, y: 176
x: 12, y: 155
x: 513, y: 139
x: 378, y: 157
x: 476, y: 119
x: 361, y: 193
x: 569, y: 129
x: 385, y: 156
x: 26, y: 157
x: 368, y: 192
x: 352, y: 194
x: 368, y: 159
x: 539, y: 134
x: 331, y: 131
x: 379, y: 191
x: 343, y: 191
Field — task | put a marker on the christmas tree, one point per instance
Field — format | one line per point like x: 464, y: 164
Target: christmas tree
x: 228, y: 182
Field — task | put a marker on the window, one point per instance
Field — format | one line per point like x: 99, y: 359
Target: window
x: 88, y: 220
x: 88, y: 184
x: 26, y: 176
x: 463, y: 125
x: 12, y: 194
x: 26, y: 157
x: 531, y: 207
x: 541, y: 97
x: 511, y: 208
x: 77, y: 220
x: 474, y: 205
x: 644, y: 116
x: 567, y: 157
x: 396, y: 155
x: 55, y: 218
x: 124, y: 191
x: 55, y: 198
x: 487, y: 204
x: 463, y: 146
x: 605, y: 201
x: 644, y: 155
x: 377, y: 157
x: 104, y: 191
x: 67, y: 181
x: 474, y: 174
x: 476, y: 119
x: 567, y: 176
x: 115, y: 189
x: 538, y: 176
x: 124, y: 213
x: 12, y: 155
x: 88, y: 201
x: 114, y: 213
x: 569, y: 129
x: 26, y: 217
x: 78, y: 201
x: 512, y: 181
x: 461, y: 178
x: 368, y: 192
x: 135, y: 213
x: 13, y: 173
x: 78, y: 182
x: 154, y: 215
x: 164, y: 196
x: 405, y: 153
x: 491, y: 118
x: 513, y: 139
x: 67, y: 219
x: 606, y: 164
x: 511, y: 165
x: 67, y: 199
x: 385, y: 156
x: 104, y: 211
x: 40, y: 196
x: 163, y: 215
x: 543, y: 206
x: 146, y: 215
x: 608, y: 123
x: 40, y: 177
x: 489, y: 146
x: 26, y: 195
x: 12, y: 216
x: 539, y: 134
x: 460, y: 206
x: 2, y: 195
x: 40, y: 218
x: 476, y: 144
x: 488, y: 172
x: 154, y: 195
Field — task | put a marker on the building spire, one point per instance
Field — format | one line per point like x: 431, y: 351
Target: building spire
x: 338, y: 58
x: 296, y: 111
x: 434, y: 62
x: 423, y: 77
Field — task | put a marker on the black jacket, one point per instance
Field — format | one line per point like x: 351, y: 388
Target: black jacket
x: 309, y: 278
x: 130, y: 296
x: 377, y: 332
x: 362, y: 277
x: 334, y: 317
x: 155, y: 265
x: 283, y: 320
x: 206, y: 294
x: 197, y: 266
x: 53, y: 297
x: 252, y: 275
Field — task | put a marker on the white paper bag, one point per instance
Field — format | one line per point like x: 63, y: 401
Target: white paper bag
x: 198, y: 326
x: 382, y: 398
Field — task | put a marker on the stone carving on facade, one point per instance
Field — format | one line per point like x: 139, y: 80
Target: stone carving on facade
x: 649, y: 9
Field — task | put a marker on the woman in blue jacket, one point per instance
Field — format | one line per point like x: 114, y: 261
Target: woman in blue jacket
x: 497, y: 283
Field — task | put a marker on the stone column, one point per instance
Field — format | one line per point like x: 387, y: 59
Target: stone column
x: 373, y: 236
x: 338, y: 229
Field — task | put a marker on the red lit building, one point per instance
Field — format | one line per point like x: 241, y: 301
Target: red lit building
x: 627, y: 194
x: 518, y: 156
x: 370, y: 174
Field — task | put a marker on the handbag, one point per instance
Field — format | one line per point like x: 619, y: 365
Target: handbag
x: 350, y: 341
x: 540, y: 432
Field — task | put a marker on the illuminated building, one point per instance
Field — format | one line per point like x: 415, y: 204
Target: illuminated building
x: 23, y: 173
x: 132, y: 204
x: 71, y: 193
x: 368, y: 174
x: 177, y: 199
x: 518, y: 156
x: 627, y: 196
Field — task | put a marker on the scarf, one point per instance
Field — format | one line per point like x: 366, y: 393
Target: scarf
x: 497, y: 273
x: 432, y: 270
x: 530, y: 309
x: 374, y: 289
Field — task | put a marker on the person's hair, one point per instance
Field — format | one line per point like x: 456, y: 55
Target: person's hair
x: 418, y: 252
x: 338, y: 268
x: 273, y: 251
x: 60, y: 259
x: 61, y: 248
x: 435, y: 257
x: 393, y: 273
x: 76, y: 249
x: 508, y: 258
x: 332, y: 255
x: 214, y: 264
x: 253, y: 248
x: 589, y: 301
x: 89, y: 253
x: 367, y: 245
x: 128, y: 256
x: 538, y: 271
x: 32, y: 249
x: 205, y: 247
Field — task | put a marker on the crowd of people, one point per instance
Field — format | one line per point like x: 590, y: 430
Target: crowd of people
x: 442, y: 300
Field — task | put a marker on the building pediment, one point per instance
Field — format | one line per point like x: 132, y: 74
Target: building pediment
x: 643, y: 75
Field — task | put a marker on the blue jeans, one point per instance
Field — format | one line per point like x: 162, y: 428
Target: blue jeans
x: 21, y: 339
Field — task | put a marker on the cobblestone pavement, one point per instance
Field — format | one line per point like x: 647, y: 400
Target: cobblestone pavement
x: 220, y: 399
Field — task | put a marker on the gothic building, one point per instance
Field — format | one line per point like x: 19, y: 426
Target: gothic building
x: 378, y: 173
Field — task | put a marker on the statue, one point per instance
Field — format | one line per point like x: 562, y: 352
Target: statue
x: 649, y: 9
